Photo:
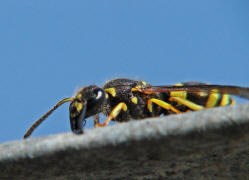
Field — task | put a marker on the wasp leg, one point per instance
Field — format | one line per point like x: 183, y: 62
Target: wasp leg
x: 187, y: 103
x: 115, y: 112
x: 96, y: 119
x: 161, y: 103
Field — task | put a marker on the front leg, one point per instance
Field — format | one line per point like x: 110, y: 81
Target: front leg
x: 115, y: 112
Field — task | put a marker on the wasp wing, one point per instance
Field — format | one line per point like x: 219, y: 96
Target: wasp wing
x: 201, y: 87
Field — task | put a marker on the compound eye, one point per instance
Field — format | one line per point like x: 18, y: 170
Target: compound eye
x: 98, y: 94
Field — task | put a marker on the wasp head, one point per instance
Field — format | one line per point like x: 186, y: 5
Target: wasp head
x: 87, y: 102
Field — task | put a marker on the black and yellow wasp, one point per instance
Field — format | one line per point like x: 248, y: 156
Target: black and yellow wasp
x: 125, y: 99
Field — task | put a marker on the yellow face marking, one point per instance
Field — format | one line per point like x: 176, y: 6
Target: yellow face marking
x: 111, y: 91
x: 134, y: 100
x: 106, y: 96
x: 78, y: 106
x: 212, y: 99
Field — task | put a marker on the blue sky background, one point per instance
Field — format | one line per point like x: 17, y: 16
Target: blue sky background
x: 49, y: 48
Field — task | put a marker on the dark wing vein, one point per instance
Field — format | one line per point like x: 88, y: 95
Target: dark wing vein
x: 233, y: 90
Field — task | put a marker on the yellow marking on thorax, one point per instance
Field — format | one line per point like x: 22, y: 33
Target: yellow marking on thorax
x: 111, y: 91
x: 178, y: 84
x: 136, y: 88
x: 106, y: 96
x: 212, y: 99
x: 144, y: 83
x: 134, y: 100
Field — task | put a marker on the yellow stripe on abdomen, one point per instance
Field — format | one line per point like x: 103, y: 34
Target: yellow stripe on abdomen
x: 226, y: 100
x: 212, y: 100
x: 180, y: 94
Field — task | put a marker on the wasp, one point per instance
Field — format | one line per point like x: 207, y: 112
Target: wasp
x: 124, y: 99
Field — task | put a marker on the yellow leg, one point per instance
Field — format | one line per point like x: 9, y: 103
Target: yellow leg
x: 187, y: 103
x: 115, y: 112
x: 161, y: 103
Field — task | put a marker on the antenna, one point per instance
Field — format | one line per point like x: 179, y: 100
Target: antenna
x: 41, y: 119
